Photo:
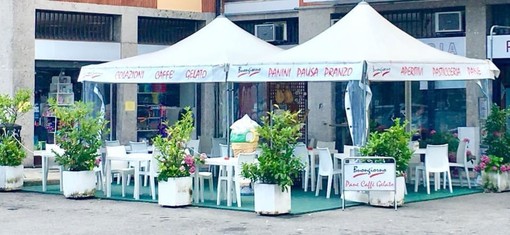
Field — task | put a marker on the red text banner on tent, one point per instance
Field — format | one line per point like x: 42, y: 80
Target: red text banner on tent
x: 295, y: 72
x: 154, y: 75
x: 427, y: 72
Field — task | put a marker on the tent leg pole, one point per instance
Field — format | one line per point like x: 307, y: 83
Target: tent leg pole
x: 408, y: 104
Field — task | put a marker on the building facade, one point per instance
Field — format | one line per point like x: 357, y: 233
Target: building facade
x: 45, y: 43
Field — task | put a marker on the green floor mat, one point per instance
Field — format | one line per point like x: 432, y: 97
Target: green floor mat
x: 302, y: 202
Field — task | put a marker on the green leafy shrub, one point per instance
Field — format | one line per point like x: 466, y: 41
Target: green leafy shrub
x: 393, y: 142
x: 11, y: 151
x: 438, y: 138
x: 79, y: 135
x: 276, y: 163
x: 173, y: 159
x: 495, y: 134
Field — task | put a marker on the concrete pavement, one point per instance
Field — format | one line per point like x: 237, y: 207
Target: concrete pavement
x: 33, y: 213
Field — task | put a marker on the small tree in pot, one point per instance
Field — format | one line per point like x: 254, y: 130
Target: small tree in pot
x: 277, y: 166
x: 79, y: 135
x: 392, y: 142
x: 175, y: 163
x: 11, y: 150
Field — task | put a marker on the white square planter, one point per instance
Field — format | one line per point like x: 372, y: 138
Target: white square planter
x: 385, y: 198
x: 270, y: 200
x: 79, y: 184
x: 175, y: 192
x: 497, y: 182
x: 11, y: 178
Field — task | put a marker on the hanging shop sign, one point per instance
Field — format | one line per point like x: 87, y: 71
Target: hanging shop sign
x: 501, y: 45
x: 369, y: 174
x: 454, y: 45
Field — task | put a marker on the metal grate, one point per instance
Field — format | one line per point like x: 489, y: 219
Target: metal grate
x: 163, y: 31
x: 299, y: 101
x: 419, y: 23
x: 74, y: 26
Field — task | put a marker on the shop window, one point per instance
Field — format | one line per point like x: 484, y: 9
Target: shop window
x: 256, y: 99
x: 60, y: 84
x: 431, y: 108
x: 163, y: 31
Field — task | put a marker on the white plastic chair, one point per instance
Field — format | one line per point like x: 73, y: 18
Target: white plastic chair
x: 301, y: 152
x: 194, y: 146
x: 215, y: 152
x: 111, y: 143
x: 239, y: 180
x: 215, y: 149
x: 350, y: 150
x: 119, y: 167
x: 152, y: 173
x: 414, y: 161
x: 462, y: 162
x: 224, y: 149
x: 194, y: 149
x: 53, y: 165
x: 436, y: 161
x: 222, y: 174
x: 327, y: 144
x: 140, y: 147
x: 326, y: 169
x: 98, y: 171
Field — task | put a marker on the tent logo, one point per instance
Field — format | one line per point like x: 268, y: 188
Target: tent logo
x: 92, y: 75
x: 380, y: 71
x: 247, y: 71
x: 371, y: 172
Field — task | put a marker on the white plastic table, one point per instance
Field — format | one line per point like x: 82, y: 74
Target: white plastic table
x: 136, y: 158
x: 45, y: 156
x: 229, y: 163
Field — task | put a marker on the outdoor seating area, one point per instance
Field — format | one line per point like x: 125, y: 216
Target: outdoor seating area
x: 302, y: 202
x: 123, y: 165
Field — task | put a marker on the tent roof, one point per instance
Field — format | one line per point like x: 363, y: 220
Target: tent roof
x: 363, y: 35
x: 201, y: 57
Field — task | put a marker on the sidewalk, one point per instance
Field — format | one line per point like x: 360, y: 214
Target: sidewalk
x: 33, y: 176
x: 36, y: 213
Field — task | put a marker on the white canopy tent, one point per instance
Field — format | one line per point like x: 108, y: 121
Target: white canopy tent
x: 363, y: 36
x: 363, y: 45
x: 202, y: 57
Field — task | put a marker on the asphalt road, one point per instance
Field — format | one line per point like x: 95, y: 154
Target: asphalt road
x: 32, y: 213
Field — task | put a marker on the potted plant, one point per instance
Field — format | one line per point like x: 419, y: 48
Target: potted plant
x: 79, y: 135
x: 277, y: 166
x: 11, y: 151
x: 175, y: 163
x: 392, y: 142
x: 495, y: 165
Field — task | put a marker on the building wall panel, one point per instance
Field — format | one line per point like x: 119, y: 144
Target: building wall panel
x: 208, y: 5
x: 132, y: 3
